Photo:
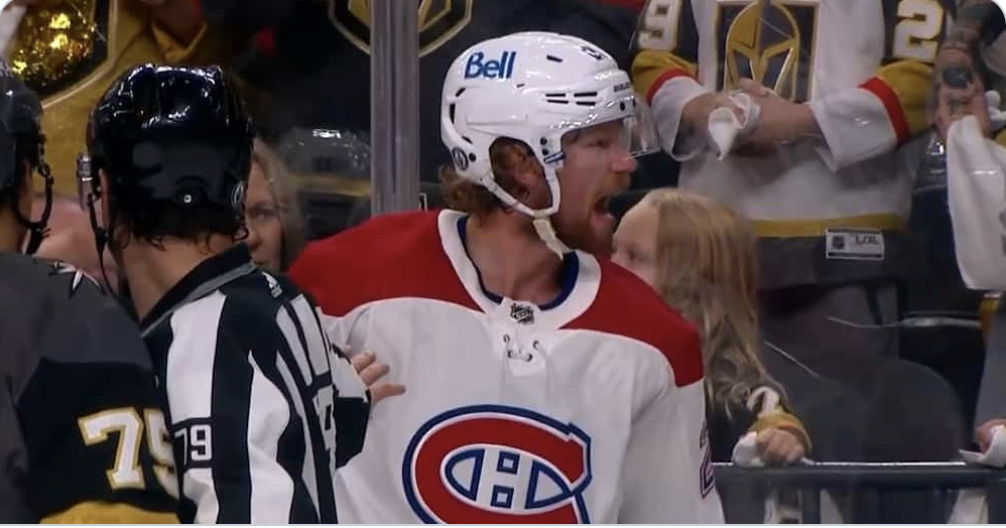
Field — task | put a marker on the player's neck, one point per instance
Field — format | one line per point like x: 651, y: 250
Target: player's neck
x: 153, y: 271
x: 11, y: 232
x: 511, y: 258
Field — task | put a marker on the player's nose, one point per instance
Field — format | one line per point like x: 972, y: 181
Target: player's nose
x: 624, y: 162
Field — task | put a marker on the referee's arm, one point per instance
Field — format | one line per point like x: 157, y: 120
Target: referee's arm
x: 232, y: 425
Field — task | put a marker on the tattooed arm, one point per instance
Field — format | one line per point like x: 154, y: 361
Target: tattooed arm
x: 959, y: 73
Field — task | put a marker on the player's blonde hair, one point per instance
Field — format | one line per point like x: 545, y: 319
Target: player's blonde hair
x: 508, y: 156
x: 707, y: 269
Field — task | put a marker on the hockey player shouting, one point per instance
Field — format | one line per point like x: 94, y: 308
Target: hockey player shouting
x: 546, y: 384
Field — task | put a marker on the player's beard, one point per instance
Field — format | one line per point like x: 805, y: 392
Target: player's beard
x: 583, y: 235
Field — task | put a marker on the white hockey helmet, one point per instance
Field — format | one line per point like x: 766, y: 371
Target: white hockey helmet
x: 535, y: 87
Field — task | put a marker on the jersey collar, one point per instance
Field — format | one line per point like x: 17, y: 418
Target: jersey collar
x: 204, y: 279
x: 579, y: 280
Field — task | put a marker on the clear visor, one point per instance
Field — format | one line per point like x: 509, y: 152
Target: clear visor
x: 637, y: 135
x: 641, y: 130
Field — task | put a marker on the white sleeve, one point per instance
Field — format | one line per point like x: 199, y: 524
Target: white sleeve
x: 977, y: 197
x: 343, y: 331
x: 856, y: 126
x: 668, y: 105
x: 668, y: 473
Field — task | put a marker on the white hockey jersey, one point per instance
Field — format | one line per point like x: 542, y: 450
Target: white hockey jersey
x: 861, y: 65
x: 590, y: 409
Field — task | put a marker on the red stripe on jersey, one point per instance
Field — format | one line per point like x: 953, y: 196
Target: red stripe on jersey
x: 628, y: 307
x: 886, y: 94
x: 389, y: 257
x: 198, y: 4
x: 672, y: 73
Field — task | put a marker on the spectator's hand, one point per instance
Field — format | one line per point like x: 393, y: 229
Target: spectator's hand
x: 780, y: 121
x: 983, y: 434
x: 695, y: 114
x: 778, y: 447
x: 370, y: 371
x: 957, y: 91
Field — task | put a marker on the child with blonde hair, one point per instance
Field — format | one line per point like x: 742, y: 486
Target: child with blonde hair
x: 700, y: 256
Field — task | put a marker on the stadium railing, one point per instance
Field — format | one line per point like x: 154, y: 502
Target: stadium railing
x: 935, y: 480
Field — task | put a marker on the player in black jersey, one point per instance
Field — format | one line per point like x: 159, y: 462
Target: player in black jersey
x: 261, y: 407
x: 82, y: 435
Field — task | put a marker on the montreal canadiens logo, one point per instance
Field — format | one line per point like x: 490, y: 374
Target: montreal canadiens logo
x: 492, y: 464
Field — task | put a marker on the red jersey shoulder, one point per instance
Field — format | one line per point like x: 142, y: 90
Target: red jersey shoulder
x: 389, y: 256
x: 627, y: 306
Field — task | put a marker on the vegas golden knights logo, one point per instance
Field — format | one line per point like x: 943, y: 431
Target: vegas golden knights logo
x: 439, y: 21
x: 769, y: 41
x: 62, y: 42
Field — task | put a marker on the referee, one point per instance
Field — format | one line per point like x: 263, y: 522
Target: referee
x: 254, y: 396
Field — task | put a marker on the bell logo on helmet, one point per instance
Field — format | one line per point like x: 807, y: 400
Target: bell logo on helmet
x: 502, y: 68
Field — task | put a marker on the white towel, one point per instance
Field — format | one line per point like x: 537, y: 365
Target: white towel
x: 995, y: 455
x: 997, y: 118
x: 725, y: 126
x: 972, y: 504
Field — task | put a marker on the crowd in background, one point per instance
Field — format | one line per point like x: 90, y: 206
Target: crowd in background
x: 807, y: 357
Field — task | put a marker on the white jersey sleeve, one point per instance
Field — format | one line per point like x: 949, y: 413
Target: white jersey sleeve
x: 977, y: 197
x: 668, y: 471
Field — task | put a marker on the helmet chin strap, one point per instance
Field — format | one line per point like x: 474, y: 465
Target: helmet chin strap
x: 541, y: 218
x: 102, y: 237
x: 546, y: 232
x: 38, y: 230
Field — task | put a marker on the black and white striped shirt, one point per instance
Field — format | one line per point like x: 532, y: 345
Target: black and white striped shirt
x: 255, y: 394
